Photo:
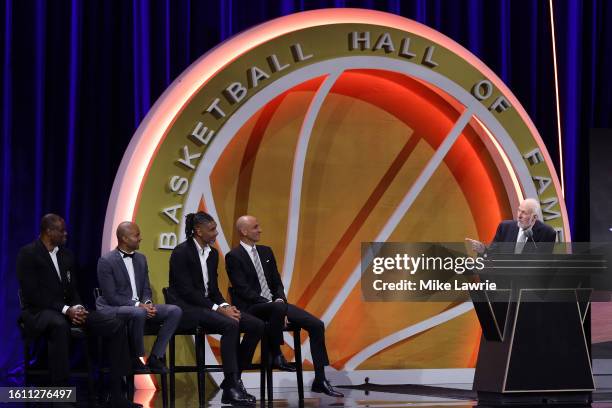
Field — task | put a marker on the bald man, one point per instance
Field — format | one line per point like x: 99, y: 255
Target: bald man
x: 125, y: 291
x: 258, y: 290
x: 525, y: 232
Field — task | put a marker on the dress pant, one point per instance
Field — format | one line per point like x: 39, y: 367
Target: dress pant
x: 229, y: 329
x: 114, y: 335
x: 274, y: 313
x: 55, y: 327
x: 167, y: 316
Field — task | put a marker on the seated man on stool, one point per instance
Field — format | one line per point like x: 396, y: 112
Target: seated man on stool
x: 193, y: 282
x: 51, y: 303
x: 123, y: 275
x: 258, y: 289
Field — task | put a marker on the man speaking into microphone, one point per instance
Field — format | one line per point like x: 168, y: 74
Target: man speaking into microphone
x: 527, y: 231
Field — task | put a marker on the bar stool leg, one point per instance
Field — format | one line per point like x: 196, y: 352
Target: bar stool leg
x: 297, y: 346
x: 262, y: 370
x: 200, y: 362
x: 268, y: 365
x: 172, y: 352
x: 164, y: 386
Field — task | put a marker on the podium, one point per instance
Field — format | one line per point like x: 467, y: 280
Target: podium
x: 535, y: 347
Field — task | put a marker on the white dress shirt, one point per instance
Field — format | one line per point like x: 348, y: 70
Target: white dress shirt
x: 203, y: 253
x: 53, y: 255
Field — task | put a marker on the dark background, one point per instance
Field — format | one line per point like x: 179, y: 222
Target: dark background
x: 79, y: 76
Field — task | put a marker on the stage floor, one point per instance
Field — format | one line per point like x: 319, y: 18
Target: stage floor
x: 287, y: 397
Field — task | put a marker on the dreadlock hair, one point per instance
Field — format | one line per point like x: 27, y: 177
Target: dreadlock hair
x: 194, y: 219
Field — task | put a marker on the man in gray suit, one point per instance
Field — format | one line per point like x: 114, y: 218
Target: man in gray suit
x: 123, y: 276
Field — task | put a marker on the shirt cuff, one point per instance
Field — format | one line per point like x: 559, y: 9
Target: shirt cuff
x: 136, y: 304
x: 216, y: 306
x: 65, y: 309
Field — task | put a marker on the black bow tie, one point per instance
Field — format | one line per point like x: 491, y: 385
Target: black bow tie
x: 126, y: 255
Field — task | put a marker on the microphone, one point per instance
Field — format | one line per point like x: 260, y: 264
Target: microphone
x: 529, y: 234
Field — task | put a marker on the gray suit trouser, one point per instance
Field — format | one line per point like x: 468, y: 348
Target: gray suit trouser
x: 167, y: 319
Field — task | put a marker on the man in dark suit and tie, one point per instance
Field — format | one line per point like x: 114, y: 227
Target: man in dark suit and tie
x: 526, y: 232
x: 123, y: 275
x: 194, y: 287
x: 51, y: 303
x: 258, y: 289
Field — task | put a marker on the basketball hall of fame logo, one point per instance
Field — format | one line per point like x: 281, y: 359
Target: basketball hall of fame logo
x: 335, y: 127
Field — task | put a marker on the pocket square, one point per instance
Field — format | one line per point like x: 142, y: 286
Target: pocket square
x: 267, y: 260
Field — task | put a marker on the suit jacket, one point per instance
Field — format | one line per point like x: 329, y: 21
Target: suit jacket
x: 243, y: 276
x: 507, y: 231
x: 186, y: 279
x: 40, y: 286
x: 114, y: 281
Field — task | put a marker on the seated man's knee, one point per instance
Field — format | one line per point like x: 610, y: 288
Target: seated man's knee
x: 175, y: 311
x: 258, y: 327
x: 317, y: 326
x: 279, y: 308
x: 58, y: 322
x: 230, y: 326
x: 140, y: 313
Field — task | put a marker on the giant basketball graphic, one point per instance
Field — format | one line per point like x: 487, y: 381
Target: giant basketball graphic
x: 336, y: 127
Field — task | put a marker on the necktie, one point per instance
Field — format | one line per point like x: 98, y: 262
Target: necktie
x: 265, y: 290
x: 520, y: 244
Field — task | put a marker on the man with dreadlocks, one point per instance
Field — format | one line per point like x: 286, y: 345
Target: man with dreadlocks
x: 194, y: 287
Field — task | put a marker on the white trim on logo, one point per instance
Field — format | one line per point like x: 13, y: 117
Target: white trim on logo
x: 299, y: 160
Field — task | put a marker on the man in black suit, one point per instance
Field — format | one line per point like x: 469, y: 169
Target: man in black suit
x: 258, y: 289
x: 123, y: 275
x: 51, y: 303
x: 194, y: 287
x: 526, y: 232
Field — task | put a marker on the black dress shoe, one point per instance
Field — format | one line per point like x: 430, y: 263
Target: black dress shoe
x: 156, y: 365
x: 235, y: 396
x: 326, y: 388
x: 280, y: 363
x: 139, y: 367
x: 244, y: 391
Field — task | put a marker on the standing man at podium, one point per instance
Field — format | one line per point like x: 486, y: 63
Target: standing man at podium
x: 526, y: 230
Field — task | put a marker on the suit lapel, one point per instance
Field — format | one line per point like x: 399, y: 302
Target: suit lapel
x: 47, y: 257
x: 195, y: 258
x: 246, y: 257
x: 263, y: 260
x: 210, y: 265
x: 513, y: 231
x: 139, y: 274
x: 118, y: 259
x: 193, y: 253
x: 537, y: 230
x: 62, y: 267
